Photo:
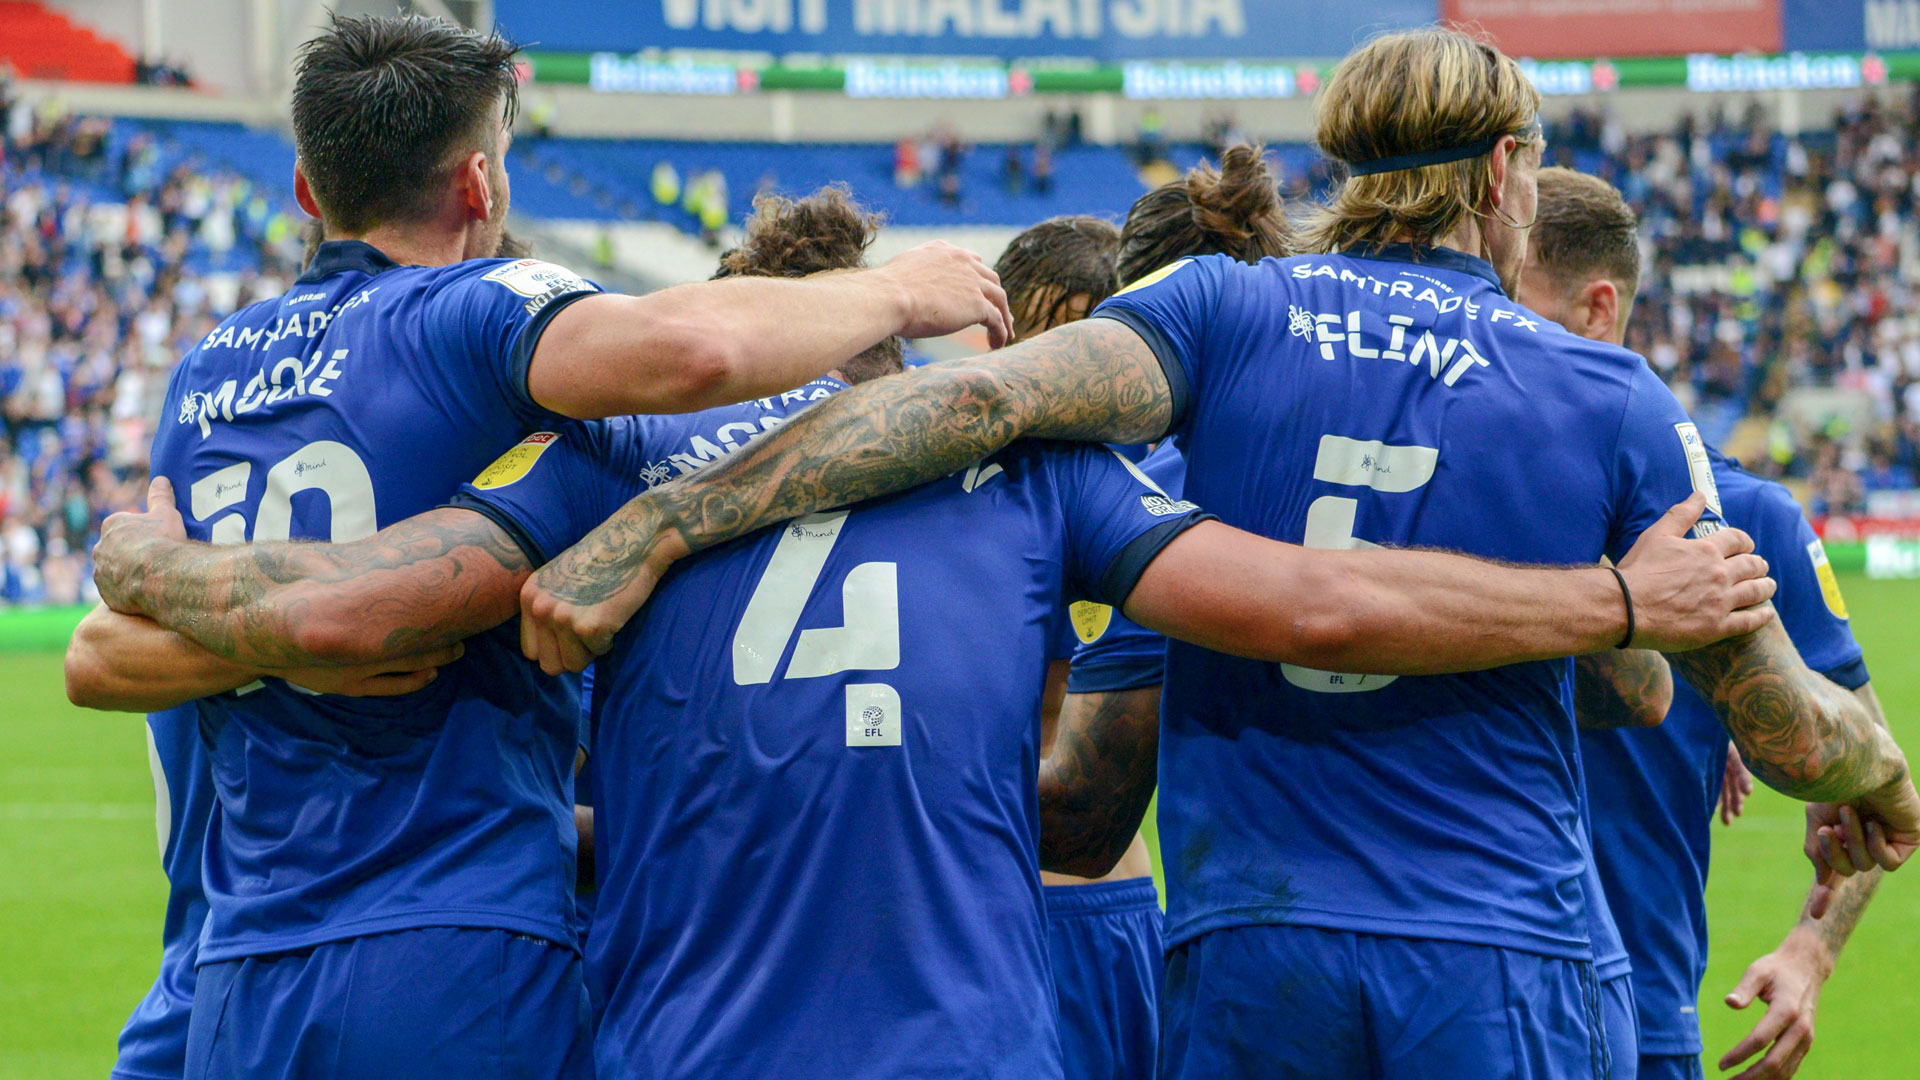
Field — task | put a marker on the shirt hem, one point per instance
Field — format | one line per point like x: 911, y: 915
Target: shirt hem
x: 1470, y: 934
x: 560, y: 933
x: 1609, y: 970
x: 1656, y: 1048
x: 118, y: 1073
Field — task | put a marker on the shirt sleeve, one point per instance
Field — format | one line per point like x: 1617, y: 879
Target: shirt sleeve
x: 1117, y: 521
x: 1171, y: 309
x: 1659, y: 460
x: 1812, y: 611
x: 495, y: 312
x: 550, y: 489
x: 1115, y: 653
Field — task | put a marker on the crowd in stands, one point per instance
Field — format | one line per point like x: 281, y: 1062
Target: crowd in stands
x: 113, y: 262
x: 1773, y: 263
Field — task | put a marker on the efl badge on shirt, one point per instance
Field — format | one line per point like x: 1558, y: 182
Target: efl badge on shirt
x: 1829, y: 585
x: 517, y: 462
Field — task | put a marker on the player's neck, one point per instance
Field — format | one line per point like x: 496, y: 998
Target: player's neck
x: 1466, y: 237
x: 414, y: 245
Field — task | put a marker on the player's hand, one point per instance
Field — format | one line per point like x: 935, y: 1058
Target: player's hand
x: 571, y: 608
x: 1690, y: 593
x: 1879, y: 829
x: 1735, y: 789
x: 1789, y: 981
x: 949, y: 289
x: 388, y: 678
x: 119, y: 559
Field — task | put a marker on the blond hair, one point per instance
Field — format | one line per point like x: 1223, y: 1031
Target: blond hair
x: 1405, y: 93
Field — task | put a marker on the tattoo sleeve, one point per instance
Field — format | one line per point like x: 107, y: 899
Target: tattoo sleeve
x: 1098, y: 779
x: 1851, y: 896
x: 421, y: 584
x: 1091, y: 381
x: 1622, y: 688
x: 1800, y: 733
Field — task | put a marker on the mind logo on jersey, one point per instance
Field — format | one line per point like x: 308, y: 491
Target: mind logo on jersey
x: 517, y: 462
x: 1699, y: 466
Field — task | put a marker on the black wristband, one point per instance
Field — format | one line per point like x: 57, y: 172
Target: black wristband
x: 1627, y: 595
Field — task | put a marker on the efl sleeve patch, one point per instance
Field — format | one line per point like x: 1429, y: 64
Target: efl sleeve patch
x: 533, y: 279
x: 1829, y: 585
x: 1090, y: 620
x: 517, y: 462
x: 1699, y: 466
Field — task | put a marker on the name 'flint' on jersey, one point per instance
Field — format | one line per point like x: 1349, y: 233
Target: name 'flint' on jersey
x: 288, y: 377
x: 1449, y: 355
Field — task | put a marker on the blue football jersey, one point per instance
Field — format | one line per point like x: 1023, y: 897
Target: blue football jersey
x: 1116, y: 653
x: 362, y: 397
x: 1402, y: 400
x: 153, y: 1045
x: 817, y: 820
x: 1654, y: 790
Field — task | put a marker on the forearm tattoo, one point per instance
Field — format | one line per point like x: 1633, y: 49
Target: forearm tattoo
x: 1095, y: 785
x: 1094, y: 380
x: 1614, y: 689
x: 422, y: 584
x: 1799, y: 732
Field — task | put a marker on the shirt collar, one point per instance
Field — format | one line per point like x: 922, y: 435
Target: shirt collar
x: 338, y: 256
x: 1443, y: 258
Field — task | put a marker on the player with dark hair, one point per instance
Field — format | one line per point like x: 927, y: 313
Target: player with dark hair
x: 387, y: 883
x: 1653, y: 791
x: 1058, y: 271
x: 1384, y: 392
x: 1233, y: 210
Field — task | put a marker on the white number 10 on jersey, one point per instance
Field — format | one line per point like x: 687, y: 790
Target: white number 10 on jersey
x: 1353, y: 463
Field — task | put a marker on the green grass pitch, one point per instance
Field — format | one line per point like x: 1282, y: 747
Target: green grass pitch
x: 81, y: 893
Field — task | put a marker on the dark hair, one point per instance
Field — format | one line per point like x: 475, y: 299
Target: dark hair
x: 791, y: 238
x: 1048, y: 265
x: 1584, y: 229
x: 385, y: 106
x: 1236, y: 211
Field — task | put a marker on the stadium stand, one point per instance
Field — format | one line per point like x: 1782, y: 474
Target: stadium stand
x: 118, y: 249
x: 1774, y: 302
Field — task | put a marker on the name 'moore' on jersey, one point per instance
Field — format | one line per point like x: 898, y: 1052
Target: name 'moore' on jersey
x: 817, y: 827
x: 1654, y: 789
x: 1400, y: 399
x: 361, y: 397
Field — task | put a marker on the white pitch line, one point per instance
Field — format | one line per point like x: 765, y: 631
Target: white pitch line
x: 75, y: 811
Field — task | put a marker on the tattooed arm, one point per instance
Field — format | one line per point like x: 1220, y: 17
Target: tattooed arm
x: 1624, y: 688
x: 419, y: 585
x: 124, y: 663
x: 1097, y: 780
x: 1097, y: 380
x: 1789, y: 979
x: 1800, y: 733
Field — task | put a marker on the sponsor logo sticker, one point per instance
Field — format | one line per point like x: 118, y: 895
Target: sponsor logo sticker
x: 517, y: 462
x: 1090, y: 620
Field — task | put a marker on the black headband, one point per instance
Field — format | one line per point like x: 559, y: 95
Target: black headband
x: 1439, y: 156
